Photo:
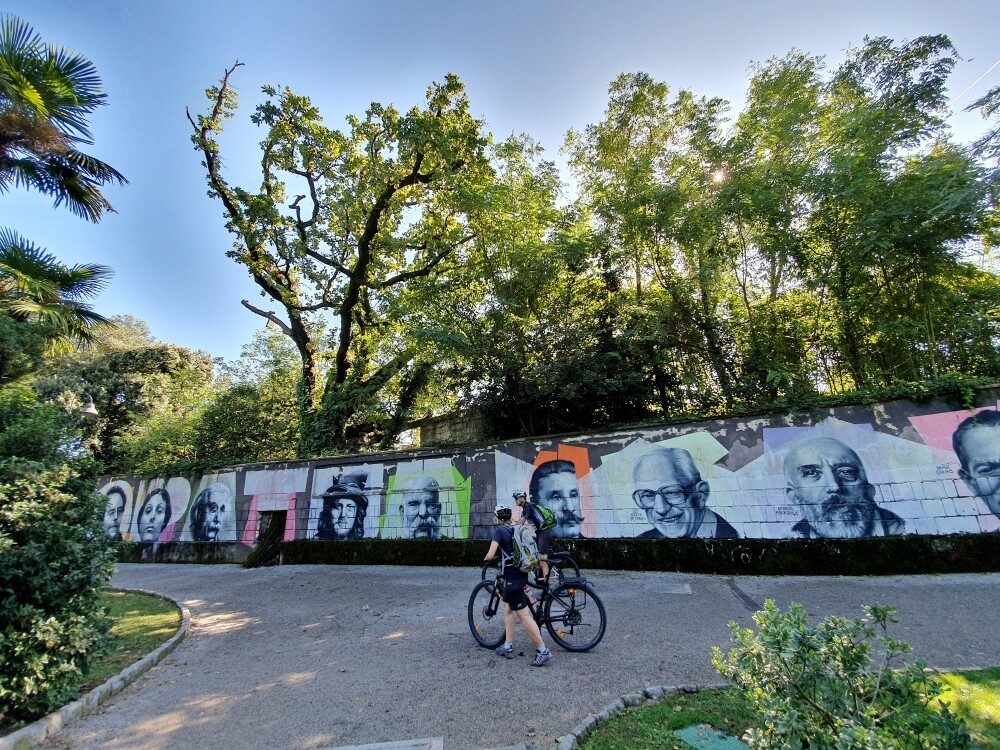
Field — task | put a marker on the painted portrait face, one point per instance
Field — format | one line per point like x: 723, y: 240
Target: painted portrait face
x: 828, y: 483
x: 113, y: 511
x: 345, y: 511
x: 673, y: 506
x: 560, y: 493
x: 981, y: 464
x: 206, y: 516
x: 153, y: 517
x: 421, y: 508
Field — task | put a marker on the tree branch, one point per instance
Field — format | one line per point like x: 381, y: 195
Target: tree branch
x: 269, y: 315
x: 426, y: 269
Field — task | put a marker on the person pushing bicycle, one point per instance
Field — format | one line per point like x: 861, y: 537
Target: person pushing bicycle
x: 543, y: 525
x: 515, y: 602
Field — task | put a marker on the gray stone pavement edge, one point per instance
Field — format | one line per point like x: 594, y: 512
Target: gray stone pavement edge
x: 370, y: 656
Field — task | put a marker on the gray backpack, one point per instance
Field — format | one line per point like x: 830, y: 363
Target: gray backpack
x: 525, y: 556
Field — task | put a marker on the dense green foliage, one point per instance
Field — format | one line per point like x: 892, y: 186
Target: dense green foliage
x: 148, y: 395
x: 880, y: 556
x: 384, y: 203
x: 35, y: 287
x: 54, y: 555
x: 255, y: 415
x: 973, y: 695
x: 835, y: 685
x: 55, y: 559
x: 828, y: 239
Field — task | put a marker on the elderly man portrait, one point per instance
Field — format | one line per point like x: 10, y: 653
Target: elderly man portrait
x: 828, y: 483
x: 669, y: 488
x: 977, y: 444
x: 213, y: 504
x: 344, y: 509
x: 420, y: 508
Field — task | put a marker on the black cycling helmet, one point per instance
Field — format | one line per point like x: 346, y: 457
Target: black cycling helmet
x: 502, y: 511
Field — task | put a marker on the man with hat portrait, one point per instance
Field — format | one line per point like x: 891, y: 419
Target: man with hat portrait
x: 344, y: 508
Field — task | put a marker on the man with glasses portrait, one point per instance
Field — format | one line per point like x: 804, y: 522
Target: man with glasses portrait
x: 977, y: 445
x: 670, y: 489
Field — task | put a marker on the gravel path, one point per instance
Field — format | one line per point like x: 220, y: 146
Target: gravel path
x: 324, y: 656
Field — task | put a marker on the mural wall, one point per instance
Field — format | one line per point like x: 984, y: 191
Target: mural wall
x: 893, y: 469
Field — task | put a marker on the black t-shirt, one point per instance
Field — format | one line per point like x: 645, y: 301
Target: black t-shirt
x: 532, y: 515
x: 503, y: 535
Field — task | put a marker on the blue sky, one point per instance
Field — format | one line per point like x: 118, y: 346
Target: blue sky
x: 529, y: 66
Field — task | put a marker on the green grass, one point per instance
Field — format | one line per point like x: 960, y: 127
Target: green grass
x: 975, y: 696
x: 141, y: 623
x: 649, y: 727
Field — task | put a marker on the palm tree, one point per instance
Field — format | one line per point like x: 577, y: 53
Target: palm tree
x: 36, y: 288
x: 46, y: 94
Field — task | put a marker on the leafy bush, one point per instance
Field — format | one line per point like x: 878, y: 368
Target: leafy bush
x: 833, y: 687
x: 54, y: 561
x: 29, y: 430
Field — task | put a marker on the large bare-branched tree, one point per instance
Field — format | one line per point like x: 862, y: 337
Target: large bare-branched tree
x: 343, y: 223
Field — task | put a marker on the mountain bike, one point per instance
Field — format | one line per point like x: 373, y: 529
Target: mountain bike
x: 561, y: 566
x: 571, y: 611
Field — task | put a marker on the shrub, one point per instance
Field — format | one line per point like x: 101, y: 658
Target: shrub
x: 833, y: 686
x: 54, y: 561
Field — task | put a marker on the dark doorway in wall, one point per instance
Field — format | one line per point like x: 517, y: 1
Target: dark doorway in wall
x: 270, y: 533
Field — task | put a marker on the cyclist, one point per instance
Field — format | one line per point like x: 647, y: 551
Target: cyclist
x: 533, y: 517
x: 514, y: 599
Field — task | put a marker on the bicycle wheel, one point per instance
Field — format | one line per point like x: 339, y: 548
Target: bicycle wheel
x: 486, y: 615
x: 562, y: 569
x: 490, y: 571
x: 574, y: 616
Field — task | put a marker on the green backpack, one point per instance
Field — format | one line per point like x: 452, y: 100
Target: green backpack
x: 548, y: 518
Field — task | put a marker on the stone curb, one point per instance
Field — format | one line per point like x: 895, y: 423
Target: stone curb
x: 38, y: 731
x: 431, y: 743
x: 579, y: 733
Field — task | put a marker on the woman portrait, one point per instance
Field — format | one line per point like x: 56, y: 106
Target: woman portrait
x: 154, y: 515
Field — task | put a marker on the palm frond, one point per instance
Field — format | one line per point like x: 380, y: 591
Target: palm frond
x: 87, y: 280
x: 21, y: 173
x: 72, y: 178
x: 46, y: 95
x: 26, y: 269
x: 29, y: 271
x: 98, y: 170
x: 81, y: 194
x: 18, y: 90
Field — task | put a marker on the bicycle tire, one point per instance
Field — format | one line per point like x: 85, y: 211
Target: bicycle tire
x: 575, y: 616
x: 486, y: 615
x: 563, y: 567
x: 490, y: 571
